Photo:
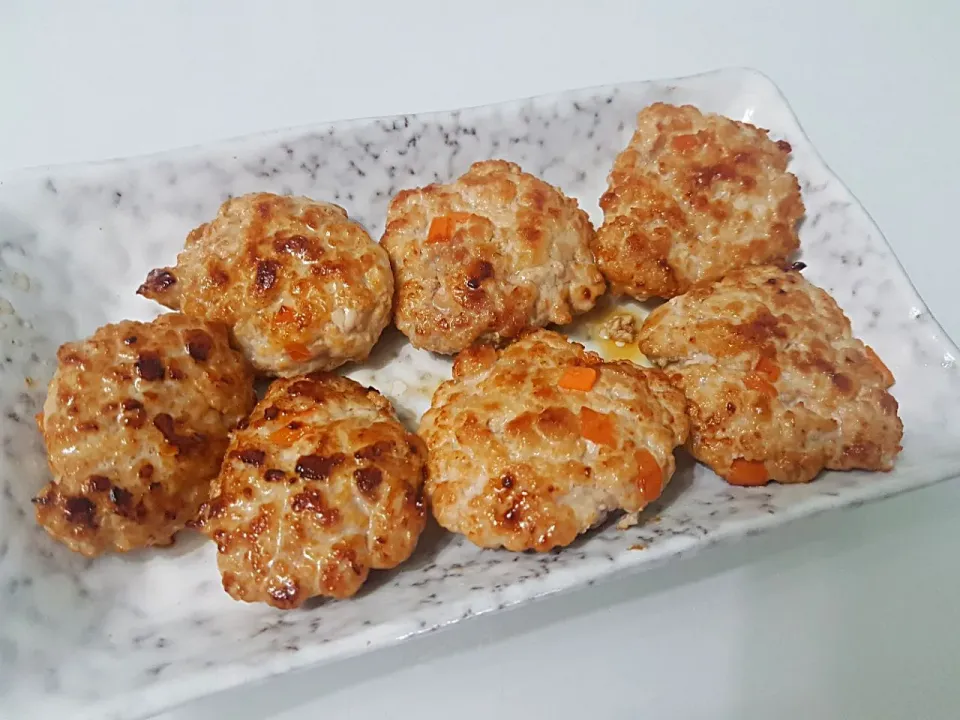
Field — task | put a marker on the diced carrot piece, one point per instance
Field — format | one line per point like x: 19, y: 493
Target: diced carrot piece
x: 650, y: 475
x: 879, y: 365
x: 766, y: 366
x: 285, y: 436
x: 443, y: 227
x: 756, y: 382
x: 285, y: 315
x: 747, y: 472
x: 298, y: 352
x: 578, y: 378
x: 303, y: 287
x: 682, y: 143
x: 596, y: 427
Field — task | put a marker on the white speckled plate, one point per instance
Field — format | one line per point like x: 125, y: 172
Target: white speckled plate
x: 125, y: 637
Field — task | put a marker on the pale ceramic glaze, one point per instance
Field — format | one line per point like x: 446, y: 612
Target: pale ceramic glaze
x: 125, y: 637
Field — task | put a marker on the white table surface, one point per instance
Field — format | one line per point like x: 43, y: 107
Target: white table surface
x: 851, y: 615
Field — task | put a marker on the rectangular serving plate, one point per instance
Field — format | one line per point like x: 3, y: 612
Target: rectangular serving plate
x: 129, y: 636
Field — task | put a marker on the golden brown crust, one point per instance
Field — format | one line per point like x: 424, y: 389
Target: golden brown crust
x: 692, y: 197
x: 774, y: 378
x: 517, y: 258
x: 509, y: 461
x: 135, y: 423
x: 322, y: 485
x: 301, y: 285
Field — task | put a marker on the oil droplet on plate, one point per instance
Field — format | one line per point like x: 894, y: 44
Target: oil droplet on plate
x: 611, y: 350
x: 597, y: 328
